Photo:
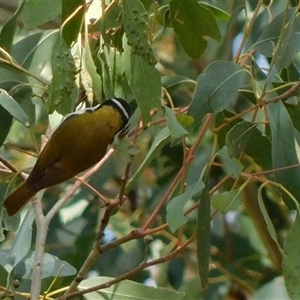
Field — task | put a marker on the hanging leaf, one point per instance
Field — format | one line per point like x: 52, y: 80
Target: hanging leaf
x: 63, y: 70
x: 135, y: 18
x: 192, y: 22
x: 144, y: 81
x: 284, y: 151
x: 175, y: 216
x: 203, y: 233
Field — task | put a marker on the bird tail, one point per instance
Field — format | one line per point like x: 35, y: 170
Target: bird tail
x: 18, y: 199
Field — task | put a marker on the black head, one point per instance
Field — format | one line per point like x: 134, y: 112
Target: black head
x: 122, y: 106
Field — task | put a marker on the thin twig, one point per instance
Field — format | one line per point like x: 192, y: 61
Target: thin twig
x: 132, y: 272
x: 189, y: 158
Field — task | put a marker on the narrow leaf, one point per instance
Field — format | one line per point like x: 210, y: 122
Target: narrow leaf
x: 161, y: 139
x: 291, y: 265
x: 22, y: 243
x: 91, y: 68
x: 269, y: 222
x: 144, y: 81
x: 9, y: 28
x: 13, y: 107
x: 280, y: 39
x: 203, y: 233
x: 73, y: 26
x: 284, y: 151
x: 175, y: 208
x: 5, y: 124
x: 217, y: 87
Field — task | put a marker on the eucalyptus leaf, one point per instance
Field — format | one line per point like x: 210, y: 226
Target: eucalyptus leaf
x: 161, y: 139
x: 227, y: 201
x: 8, y: 30
x: 135, y: 19
x: 280, y: 38
x: 283, y: 150
x: 232, y: 165
x: 175, y: 217
x: 92, y: 69
x: 217, y: 87
x: 63, y: 69
x: 192, y: 22
x: 52, y: 266
x: 13, y: 107
x: 36, y: 12
x: 144, y: 81
x: 174, y: 126
x: 204, y: 231
x: 238, y: 137
x: 291, y: 266
x: 10, y: 258
x: 126, y: 290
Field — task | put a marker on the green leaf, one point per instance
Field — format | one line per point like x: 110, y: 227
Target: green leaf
x: 8, y: 30
x: 144, y: 81
x: 175, y: 217
x: 13, y: 107
x: 36, y: 12
x: 217, y: 87
x: 161, y: 139
x: 173, y: 82
x: 227, y: 201
x: 52, y: 266
x: 259, y: 149
x: 192, y: 22
x: 273, y: 289
x: 62, y: 85
x: 231, y: 165
x: 267, y: 218
x: 21, y: 244
x: 227, y: 38
x: 203, y: 233
x: 291, y: 266
x: 284, y: 151
x: 174, y: 126
x: 238, y: 137
x: 280, y: 39
x: 32, y: 52
x: 135, y: 19
x: 294, y: 112
x: 5, y: 124
x: 219, y: 13
x: 16, y: 84
x: 72, y: 28
x: 126, y: 290
x: 91, y: 68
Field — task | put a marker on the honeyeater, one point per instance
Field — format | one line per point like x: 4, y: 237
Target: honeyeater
x: 79, y: 142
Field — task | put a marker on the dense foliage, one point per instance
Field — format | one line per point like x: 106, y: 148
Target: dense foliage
x: 201, y: 198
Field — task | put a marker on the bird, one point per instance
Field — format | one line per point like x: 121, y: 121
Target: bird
x: 79, y: 142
